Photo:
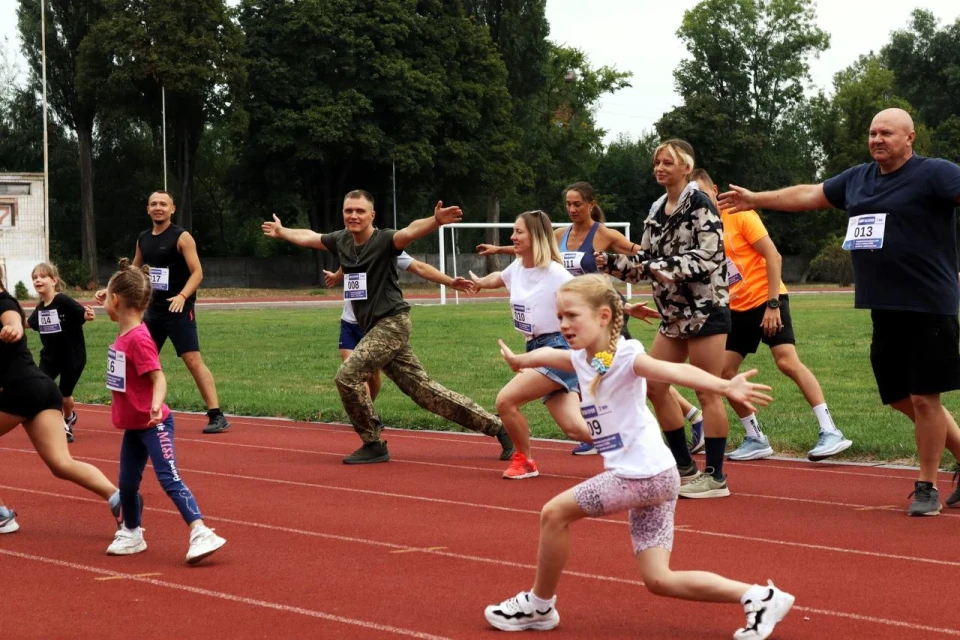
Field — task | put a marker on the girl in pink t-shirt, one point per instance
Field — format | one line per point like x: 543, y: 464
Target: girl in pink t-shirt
x: 139, y: 387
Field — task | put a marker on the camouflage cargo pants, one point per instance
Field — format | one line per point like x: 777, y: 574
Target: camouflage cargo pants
x: 386, y: 347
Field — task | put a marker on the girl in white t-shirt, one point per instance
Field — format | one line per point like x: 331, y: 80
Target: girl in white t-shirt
x: 533, y: 280
x: 641, y: 475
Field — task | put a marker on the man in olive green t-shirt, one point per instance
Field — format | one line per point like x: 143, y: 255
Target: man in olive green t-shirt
x: 370, y: 282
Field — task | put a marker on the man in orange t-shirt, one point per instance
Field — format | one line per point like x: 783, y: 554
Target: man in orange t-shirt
x: 760, y: 312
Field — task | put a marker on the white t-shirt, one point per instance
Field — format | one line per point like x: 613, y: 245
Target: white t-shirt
x: 533, y: 296
x: 624, y: 430
x: 404, y: 261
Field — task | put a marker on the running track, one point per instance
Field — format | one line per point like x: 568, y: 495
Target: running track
x: 417, y: 547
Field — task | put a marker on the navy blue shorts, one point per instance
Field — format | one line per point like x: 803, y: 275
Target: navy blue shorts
x: 350, y: 335
x: 181, y: 328
x: 566, y: 379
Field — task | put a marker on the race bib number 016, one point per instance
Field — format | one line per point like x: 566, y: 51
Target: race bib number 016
x: 116, y: 370
x: 595, y: 417
x: 355, y: 286
x: 865, y: 232
x: 160, y: 278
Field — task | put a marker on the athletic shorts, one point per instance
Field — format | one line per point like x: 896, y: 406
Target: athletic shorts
x: 181, y: 328
x: 718, y: 322
x: 914, y: 353
x: 350, y: 335
x: 746, y: 334
x: 651, y: 503
x: 68, y: 372
x: 26, y: 398
x: 566, y: 379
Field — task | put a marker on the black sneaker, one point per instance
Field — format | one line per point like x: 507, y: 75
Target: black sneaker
x: 117, y: 511
x: 688, y: 473
x: 504, y: 439
x: 954, y: 500
x: 369, y: 453
x: 72, y: 420
x: 217, y: 425
x: 69, y: 431
x: 926, y: 500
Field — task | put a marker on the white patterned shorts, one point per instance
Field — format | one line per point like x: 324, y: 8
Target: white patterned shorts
x: 650, y: 501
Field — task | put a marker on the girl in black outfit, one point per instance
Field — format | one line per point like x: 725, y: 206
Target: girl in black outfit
x: 59, y: 320
x: 30, y: 397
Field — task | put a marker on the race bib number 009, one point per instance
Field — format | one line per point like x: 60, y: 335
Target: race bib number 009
x: 865, y: 232
x: 355, y: 286
x: 116, y: 370
x: 595, y: 417
x: 160, y: 278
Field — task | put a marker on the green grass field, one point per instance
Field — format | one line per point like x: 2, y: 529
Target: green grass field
x: 281, y: 362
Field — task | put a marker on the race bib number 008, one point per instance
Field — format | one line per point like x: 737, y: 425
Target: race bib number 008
x: 355, y: 286
x: 865, y: 232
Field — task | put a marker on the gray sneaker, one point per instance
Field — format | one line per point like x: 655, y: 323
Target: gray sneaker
x: 954, y: 500
x: 369, y: 453
x: 688, y: 473
x: 705, y: 486
x: 217, y: 425
x: 926, y: 500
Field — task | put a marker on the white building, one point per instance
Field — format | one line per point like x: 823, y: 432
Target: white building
x: 23, y: 234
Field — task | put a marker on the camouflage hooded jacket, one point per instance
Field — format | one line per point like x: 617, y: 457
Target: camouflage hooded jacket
x: 687, y: 248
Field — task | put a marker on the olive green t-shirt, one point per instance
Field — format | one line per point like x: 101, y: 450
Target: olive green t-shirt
x: 370, y: 279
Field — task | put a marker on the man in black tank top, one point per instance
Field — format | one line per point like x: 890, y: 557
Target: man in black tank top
x: 175, y: 272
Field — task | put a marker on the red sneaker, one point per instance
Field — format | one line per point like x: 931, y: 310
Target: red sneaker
x: 521, y: 467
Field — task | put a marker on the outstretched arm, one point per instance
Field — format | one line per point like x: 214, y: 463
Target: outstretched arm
x: 419, y: 228
x: 429, y: 272
x: 492, y: 249
x: 801, y: 197
x: 299, y: 237
x: 489, y: 281
x: 542, y: 357
x: 687, y: 375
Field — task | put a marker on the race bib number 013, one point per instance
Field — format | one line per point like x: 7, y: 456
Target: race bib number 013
x: 160, y: 278
x: 595, y: 417
x: 865, y: 232
x: 355, y: 286
x: 116, y: 370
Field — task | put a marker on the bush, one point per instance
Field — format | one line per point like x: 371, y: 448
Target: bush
x: 73, y: 273
x: 21, y: 291
x: 832, y: 264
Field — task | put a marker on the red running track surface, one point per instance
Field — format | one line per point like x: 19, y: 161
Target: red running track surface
x: 417, y: 547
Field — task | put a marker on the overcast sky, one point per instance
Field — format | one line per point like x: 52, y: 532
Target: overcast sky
x: 640, y: 36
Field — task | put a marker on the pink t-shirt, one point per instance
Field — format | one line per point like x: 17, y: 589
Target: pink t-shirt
x: 129, y: 359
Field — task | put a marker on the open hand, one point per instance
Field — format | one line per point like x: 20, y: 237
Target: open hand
x: 747, y: 393
x: 462, y: 284
x: 273, y: 229
x: 737, y: 199
x: 176, y: 303
x: 772, y: 323
x: 11, y: 334
x: 509, y: 356
x: 332, y: 280
x: 641, y: 311
x: 487, y: 249
x: 447, y: 215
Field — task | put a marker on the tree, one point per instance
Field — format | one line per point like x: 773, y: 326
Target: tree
x: 188, y: 48
x: 68, y: 25
x: 624, y: 179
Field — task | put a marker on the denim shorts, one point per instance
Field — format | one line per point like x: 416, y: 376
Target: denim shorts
x: 566, y: 379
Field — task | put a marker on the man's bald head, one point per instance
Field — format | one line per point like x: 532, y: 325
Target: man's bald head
x: 891, y: 139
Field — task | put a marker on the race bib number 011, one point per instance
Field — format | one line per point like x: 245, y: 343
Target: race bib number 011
x: 595, y: 417
x: 865, y: 232
x: 116, y: 370
x: 572, y: 262
x: 160, y: 278
x: 355, y: 286
x: 49, y: 321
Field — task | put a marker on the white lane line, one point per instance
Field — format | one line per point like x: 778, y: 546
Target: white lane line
x: 228, y: 597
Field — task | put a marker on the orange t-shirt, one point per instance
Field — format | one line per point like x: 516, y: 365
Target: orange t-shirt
x: 746, y: 268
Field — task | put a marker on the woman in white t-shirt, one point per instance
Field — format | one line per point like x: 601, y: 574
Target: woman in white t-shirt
x: 533, y: 280
x: 641, y: 474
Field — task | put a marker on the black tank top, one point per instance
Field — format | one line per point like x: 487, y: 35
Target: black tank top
x: 168, y: 268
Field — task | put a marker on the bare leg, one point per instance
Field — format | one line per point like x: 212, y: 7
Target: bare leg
x: 664, y: 403
x: 565, y: 409
x: 707, y: 354
x: 525, y: 387
x: 204, y: 379
x: 68, y: 406
x: 789, y: 364
x: 555, y: 520
x: 931, y: 432
x: 731, y: 365
x: 702, y: 586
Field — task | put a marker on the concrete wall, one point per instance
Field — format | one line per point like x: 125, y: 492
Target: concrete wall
x: 23, y: 241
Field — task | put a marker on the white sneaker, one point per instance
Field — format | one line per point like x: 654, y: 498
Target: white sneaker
x: 519, y: 614
x: 828, y: 444
x: 203, y: 542
x: 764, y: 613
x: 8, y: 520
x: 127, y: 542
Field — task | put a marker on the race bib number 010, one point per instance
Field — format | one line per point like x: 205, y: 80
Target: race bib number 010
x: 160, y: 278
x: 572, y: 262
x: 595, y: 417
x: 116, y: 370
x: 355, y: 286
x: 865, y: 232
x: 522, y: 320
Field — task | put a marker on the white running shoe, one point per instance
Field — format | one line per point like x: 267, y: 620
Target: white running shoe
x: 519, y: 614
x: 828, y: 444
x: 8, y: 520
x: 764, y: 613
x: 752, y: 449
x: 127, y: 542
x: 203, y: 542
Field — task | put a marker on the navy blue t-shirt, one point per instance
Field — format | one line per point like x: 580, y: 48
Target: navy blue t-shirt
x: 916, y: 270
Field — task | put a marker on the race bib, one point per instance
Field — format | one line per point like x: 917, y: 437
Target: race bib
x: 522, y: 319
x: 49, y: 321
x: 355, y: 286
x: 571, y: 262
x: 116, y: 370
x: 598, y: 419
x: 160, y: 278
x: 865, y: 232
x: 733, y: 274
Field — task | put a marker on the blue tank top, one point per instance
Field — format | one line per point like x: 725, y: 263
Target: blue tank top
x: 581, y: 260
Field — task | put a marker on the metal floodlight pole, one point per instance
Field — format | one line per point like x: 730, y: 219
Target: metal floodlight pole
x: 46, y: 154
x: 163, y: 102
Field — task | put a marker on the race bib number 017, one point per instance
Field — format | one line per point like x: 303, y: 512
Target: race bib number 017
x: 355, y: 286
x: 595, y: 417
x: 160, y: 278
x: 865, y: 232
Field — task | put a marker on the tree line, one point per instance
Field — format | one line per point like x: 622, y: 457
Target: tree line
x: 282, y: 106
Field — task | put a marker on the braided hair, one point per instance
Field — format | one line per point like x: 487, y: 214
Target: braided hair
x: 598, y: 292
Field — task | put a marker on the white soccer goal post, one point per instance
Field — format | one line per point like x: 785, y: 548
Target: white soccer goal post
x: 496, y: 225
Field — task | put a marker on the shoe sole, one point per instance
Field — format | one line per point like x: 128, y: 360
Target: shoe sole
x: 712, y: 493
x: 753, y: 455
x: 10, y: 527
x: 925, y: 513
x: 592, y: 452
x: 129, y: 552
x: 532, y: 474
x: 823, y: 455
x: 217, y: 429
x: 206, y: 554
x: 385, y: 458
x: 540, y: 625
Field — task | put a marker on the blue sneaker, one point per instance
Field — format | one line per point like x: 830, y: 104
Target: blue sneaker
x: 752, y: 449
x: 828, y: 444
x: 697, y: 441
x: 584, y: 449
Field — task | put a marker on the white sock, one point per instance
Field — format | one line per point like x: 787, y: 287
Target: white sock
x: 690, y: 414
x: 755, y: 592
x: 752, y: 426
x: 540, y: 604
x: 824, y: 418
x: 114, y: 500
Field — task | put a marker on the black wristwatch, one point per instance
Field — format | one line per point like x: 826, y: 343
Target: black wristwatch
x: 773, y: 303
